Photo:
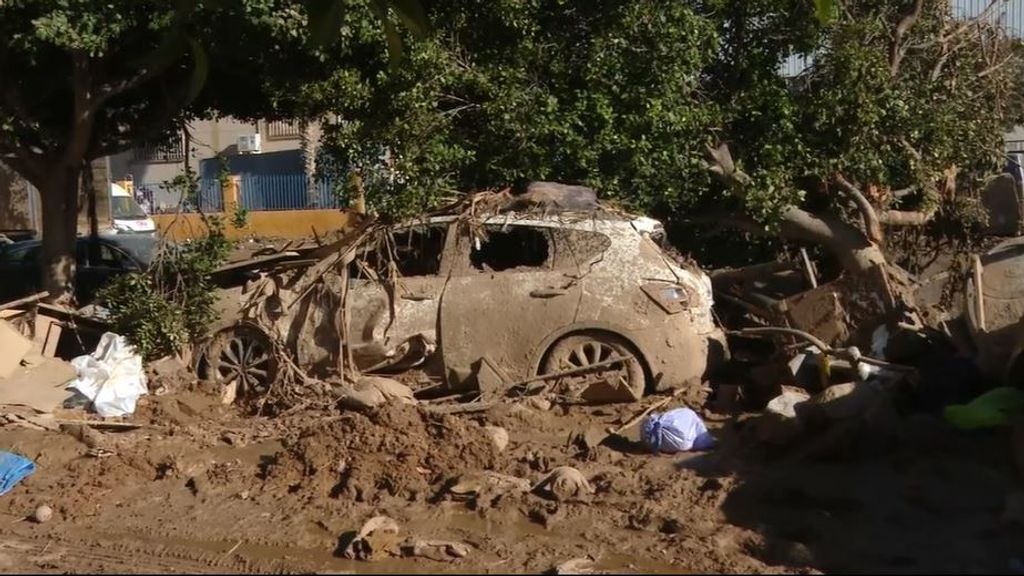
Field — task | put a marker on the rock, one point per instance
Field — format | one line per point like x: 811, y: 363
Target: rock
x: 784, y: 405
x: 538, y: 403
x: 392, y: 390
x: 841, y: 401
x: 42, y: 514
x: 84, y: 434
x: 564, y: 483
x: 365, y: 399
x: 468, y: 486
x: 378, y: 535
x: 576, y: 566
x: 372, y: 391
x: 498, y: 436
x: 229, y: 392
x: 440, y: 550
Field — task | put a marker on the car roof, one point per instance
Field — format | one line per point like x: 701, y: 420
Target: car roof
x: 573, y: 220
x: 140, y: 249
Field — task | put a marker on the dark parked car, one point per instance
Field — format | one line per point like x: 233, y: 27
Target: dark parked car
x: 99, y: 260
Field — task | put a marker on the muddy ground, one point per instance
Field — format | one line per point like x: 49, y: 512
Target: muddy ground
x: 204, y: 488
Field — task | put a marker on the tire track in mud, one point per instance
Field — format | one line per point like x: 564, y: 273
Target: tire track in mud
x: 54, y: 554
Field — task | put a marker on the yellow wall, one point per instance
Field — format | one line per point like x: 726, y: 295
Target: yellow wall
x: 277, y: 224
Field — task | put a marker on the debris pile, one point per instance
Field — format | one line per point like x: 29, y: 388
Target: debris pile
x: 339, y: 457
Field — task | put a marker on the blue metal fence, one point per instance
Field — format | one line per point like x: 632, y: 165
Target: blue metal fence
x: 286, y: 192
x: 161, y: 198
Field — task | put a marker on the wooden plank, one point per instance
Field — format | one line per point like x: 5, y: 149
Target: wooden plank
x: 26, y: 300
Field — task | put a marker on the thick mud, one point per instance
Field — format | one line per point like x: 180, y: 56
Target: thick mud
x: 203, y: 488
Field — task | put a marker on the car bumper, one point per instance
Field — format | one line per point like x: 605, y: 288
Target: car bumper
x: 678, y: 354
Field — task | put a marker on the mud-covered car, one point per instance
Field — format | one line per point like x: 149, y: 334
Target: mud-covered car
x: 513, y: 295
x: 995, y: 314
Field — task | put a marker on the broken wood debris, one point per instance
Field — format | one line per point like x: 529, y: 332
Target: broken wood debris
x: 23, y: 301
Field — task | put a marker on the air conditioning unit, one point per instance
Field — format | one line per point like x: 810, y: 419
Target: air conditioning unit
x: 249, y: 144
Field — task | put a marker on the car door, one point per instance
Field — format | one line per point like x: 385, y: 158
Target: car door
x: 20, y: 271
x: 99, y: 262
x: 508, y: 292
x: 378, y: 338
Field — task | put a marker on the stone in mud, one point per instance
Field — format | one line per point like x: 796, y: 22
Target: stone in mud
x: 840, y: 401
x: 785, y: 404
x: 564, y: 483
x: 392, y: 390
x: 470, y: 485
x: 42, y: 514
x: 379, y: 535
x: 498, y: 437
x: 373, y: 391
x: 538, y: 403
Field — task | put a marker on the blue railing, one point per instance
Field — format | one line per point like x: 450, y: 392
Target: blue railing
x: 160, y: 198
x: 286, y: 192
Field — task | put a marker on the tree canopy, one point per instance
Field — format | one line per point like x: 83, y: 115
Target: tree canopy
x: 900, y: 102
x: 81, y: 79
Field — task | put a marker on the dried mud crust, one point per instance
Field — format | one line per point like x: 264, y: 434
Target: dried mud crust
x: 206, y: 489
x: 395, y: 451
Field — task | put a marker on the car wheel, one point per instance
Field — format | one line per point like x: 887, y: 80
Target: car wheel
x: 243, y: 354
x: 582, y: 350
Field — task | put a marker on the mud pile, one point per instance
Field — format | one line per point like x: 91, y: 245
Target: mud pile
x: 396, y: 451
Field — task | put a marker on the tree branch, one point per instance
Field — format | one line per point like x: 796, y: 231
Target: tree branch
x: 899, y: 48
x: 142, y: 132
x: 867, y: 211
x: 905, y: 217
x: 109, y: 90
x: 84, y: 116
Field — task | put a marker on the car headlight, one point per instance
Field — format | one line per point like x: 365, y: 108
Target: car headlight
x: 672, y: 298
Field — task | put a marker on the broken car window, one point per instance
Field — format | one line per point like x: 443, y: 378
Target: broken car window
x: 418, y: 250
x: 511, y: 247
x: 417, y: 253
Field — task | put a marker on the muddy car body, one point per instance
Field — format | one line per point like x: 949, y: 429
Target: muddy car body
x: 995, y: 314
x: 523, y: 295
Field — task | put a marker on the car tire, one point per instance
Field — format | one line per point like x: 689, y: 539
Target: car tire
x: 584, y: 349
x: 245, y: 354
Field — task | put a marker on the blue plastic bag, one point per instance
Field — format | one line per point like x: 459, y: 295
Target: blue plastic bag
x: 13, y: 469
x: 677, y: 430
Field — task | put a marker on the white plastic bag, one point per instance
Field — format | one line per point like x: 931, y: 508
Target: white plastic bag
x: 111, y: 377
x: 678, y: 430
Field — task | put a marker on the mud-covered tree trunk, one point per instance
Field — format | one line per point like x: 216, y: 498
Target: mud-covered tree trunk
x: 857, y: 250
x: 60, y: 195
x: 849, y: 244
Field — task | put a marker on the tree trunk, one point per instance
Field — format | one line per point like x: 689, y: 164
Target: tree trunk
x: 60, y: 229
x: 310, y: 144
x: 849, y: 244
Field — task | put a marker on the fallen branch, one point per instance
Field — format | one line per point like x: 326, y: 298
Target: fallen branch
x: 26, y: 300
x: 636, y: 419
x: 103, y: 424
x: 460, y: 408
x: 871, y: 226
x: 906, y: 217
x: 570, y: 372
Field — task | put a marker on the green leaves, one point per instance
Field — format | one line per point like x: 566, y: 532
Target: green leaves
x: 200, y: 70
x: 825, y: 10
x: 326, y: 18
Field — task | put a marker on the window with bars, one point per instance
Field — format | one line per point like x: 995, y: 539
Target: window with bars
x: 281, y: 130
x: 172, y: 151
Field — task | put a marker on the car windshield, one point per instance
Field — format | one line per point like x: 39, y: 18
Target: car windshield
x: 126, y: 208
